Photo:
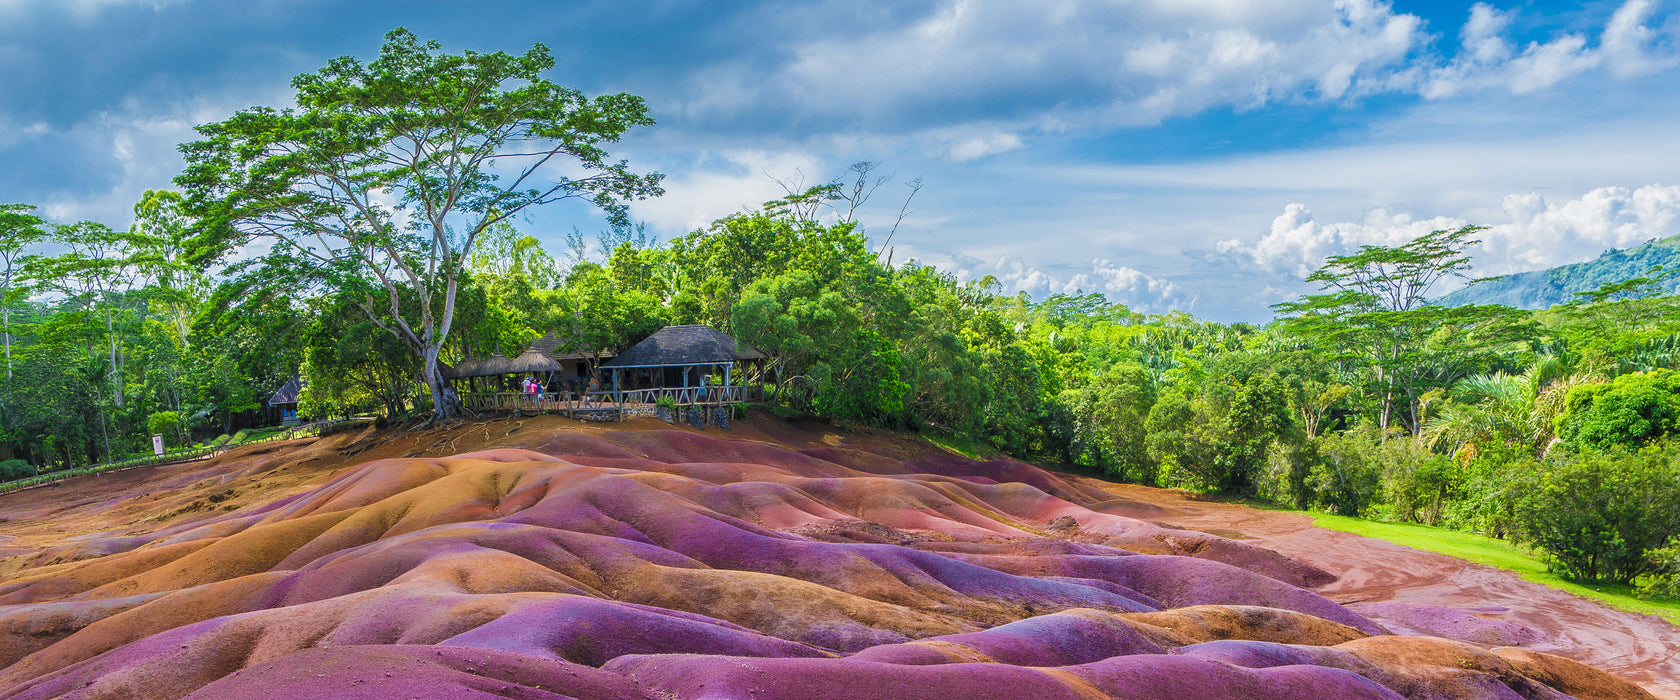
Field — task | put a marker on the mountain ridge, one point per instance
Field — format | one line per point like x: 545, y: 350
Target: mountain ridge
x: 1540, y: 289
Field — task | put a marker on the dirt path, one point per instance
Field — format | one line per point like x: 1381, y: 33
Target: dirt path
x: 1642, y: 648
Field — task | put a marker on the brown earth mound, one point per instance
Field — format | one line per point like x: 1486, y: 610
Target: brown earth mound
x: 541, y: 558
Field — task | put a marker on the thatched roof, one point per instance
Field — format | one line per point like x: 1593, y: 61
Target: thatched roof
x: 534, y: 361
x: 289, y: 391
x: 684, y: 345
x: 564, y: 347
x: 467, y: 368
x: 542, y: 356
x: 494, y: 364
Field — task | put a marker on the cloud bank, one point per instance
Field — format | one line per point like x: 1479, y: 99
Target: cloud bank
x: 1534, y: 232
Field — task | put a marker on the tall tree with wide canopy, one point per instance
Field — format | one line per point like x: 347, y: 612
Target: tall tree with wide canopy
x: 387, y: 173
x: 19, y: 228
x: 1377, y: 311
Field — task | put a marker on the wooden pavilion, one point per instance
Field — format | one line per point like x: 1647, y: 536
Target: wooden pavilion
x: 679, y: 361
x: 693, y: 365
x: 554, y: 360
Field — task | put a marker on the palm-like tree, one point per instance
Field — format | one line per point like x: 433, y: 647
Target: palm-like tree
x: 1517, y: 409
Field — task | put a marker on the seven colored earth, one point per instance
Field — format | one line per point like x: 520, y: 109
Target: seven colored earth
x: 555, y: 561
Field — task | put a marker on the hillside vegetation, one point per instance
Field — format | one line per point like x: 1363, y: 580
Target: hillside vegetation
x: 1542, y: 289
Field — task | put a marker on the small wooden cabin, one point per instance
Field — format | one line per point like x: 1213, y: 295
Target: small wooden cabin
x: 285, y: 400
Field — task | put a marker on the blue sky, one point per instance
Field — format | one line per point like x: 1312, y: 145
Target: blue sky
x: 1193, y: 154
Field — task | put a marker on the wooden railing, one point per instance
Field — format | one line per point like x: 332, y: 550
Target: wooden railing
x: 191, y: 453
x: 568, y: 402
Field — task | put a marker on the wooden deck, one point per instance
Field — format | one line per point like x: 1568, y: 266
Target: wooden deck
x: 570, y: 404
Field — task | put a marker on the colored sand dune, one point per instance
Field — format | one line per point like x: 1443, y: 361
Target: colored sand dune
x: 672, y: 564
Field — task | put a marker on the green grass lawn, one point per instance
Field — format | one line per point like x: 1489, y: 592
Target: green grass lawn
x: 960, y: 444
x: 1499, y: 554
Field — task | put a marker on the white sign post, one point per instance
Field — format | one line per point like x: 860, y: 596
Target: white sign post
x: 157, y: 444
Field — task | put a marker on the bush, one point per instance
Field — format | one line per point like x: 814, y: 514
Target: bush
x: 1419, y: 485
x: 1599, y: 515
x: 169, y: 425
x: 1630, y: 410
x: 1663, y: 578
x: 667, y: 402
x: 1345, y: 476
x: 14, y: 469
x: 1220, y: 437
x: 220, y: 440
x: 1492, y: 478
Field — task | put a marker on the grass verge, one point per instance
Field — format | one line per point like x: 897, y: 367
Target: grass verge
x: 961, y: 445
x: 1499, y: 554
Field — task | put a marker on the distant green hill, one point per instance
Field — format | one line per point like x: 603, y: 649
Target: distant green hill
x: 1544, y: 288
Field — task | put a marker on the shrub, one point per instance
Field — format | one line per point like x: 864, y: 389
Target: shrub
x: 667, y: 402
x: 1598, y: 515
x: 14, y: 469
x: 1419, y: 485
x: 169, y: 425
x: 1345, y: 473
x: 1630, y: 410
x: 220, y: 440
x: 1662, y: 580
x: 1220, y: 437
x: 1492, y: 478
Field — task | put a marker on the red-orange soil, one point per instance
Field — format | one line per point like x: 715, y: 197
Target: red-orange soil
x: 545, y: 558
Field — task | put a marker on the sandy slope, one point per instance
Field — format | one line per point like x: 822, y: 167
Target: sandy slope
x: 1641, y: 648
x: 541, y: 558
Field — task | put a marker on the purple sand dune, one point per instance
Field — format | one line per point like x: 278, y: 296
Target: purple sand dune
x: 1066, y: 638
x: 1127, y: 677
x: 593, y: 632
x: 1181, y: 581
x: 396, y: 672
x: 1251, y: 654
x: 1452, y: 623
x: 718, y: 678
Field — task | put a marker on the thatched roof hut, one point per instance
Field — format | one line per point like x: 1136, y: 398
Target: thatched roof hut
x: 533, y: 361
x: 677, y: 346
x: 562, y: 347
x: 467, y: 368
x: 496, y: 363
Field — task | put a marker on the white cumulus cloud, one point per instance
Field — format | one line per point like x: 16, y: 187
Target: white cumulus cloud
x: 1010, y: 68
x: 1120, y: 283
x: 1533, y: 232
x: 1627, y: 46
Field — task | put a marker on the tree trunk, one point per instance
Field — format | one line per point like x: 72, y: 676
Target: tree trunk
x: 104, y: 433
x: 116, y: 376
x: 445, y: 404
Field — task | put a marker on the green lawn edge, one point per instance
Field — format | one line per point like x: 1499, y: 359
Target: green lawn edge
x: 1499, y: 554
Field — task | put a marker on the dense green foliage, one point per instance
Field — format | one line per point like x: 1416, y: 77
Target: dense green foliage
x: 1600, y: 515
